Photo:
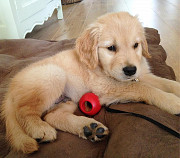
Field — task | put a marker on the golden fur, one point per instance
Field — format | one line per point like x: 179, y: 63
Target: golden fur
x: 91, y: 66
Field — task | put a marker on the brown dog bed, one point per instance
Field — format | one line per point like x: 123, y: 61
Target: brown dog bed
x: 130, y: 136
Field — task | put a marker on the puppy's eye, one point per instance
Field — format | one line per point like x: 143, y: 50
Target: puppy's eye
x: 112, y: 48
x: 136, y: 45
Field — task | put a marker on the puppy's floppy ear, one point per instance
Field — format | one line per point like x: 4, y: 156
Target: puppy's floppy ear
x: 87, y: 46
x: 145, y: 51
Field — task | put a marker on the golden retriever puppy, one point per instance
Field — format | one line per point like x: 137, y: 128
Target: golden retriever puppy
x: 108, y: 57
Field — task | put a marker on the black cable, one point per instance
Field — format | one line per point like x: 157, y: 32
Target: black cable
x: 160, y: 125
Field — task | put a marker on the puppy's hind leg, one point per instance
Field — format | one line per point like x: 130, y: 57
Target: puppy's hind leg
x: 32, y: 92
x: 63, y: 118
x: 46, y: 86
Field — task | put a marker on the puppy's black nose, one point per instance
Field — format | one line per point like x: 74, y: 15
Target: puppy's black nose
x: 129, y: 70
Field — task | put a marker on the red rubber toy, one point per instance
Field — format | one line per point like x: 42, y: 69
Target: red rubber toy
x: 89, y: 104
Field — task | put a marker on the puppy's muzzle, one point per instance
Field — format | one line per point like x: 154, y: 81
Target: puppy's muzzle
x: 129, y: 70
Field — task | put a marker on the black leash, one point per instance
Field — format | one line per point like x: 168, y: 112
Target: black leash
x: 160, y: 125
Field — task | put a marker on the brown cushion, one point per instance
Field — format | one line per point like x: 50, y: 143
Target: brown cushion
x: 129, y: 136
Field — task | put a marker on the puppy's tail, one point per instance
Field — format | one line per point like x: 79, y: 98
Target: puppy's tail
x: 16, y: 137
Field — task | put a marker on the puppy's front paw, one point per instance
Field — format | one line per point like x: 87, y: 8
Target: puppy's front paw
x: 43, y: 133
x: 176, y: 107
x: 95, y: 132
x: 171, y: 104
x: 176, y: 89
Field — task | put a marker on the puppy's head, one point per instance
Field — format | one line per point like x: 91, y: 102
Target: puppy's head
x: 116, y: 43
